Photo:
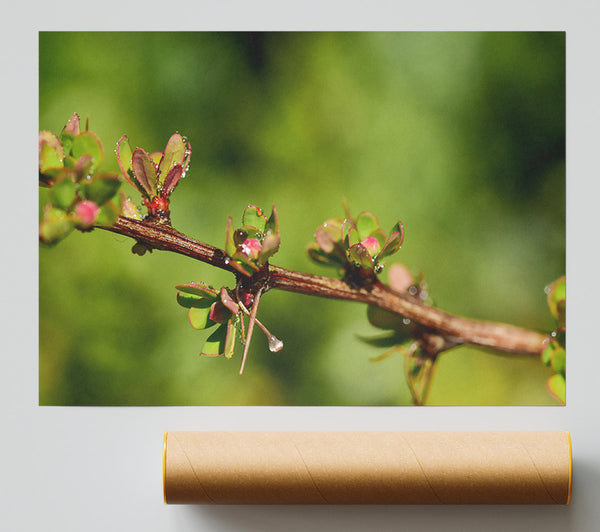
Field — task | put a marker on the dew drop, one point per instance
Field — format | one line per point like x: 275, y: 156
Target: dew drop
x: 226, y: 261
x: 275, y: 344
x: 406, y: 321
x: 412, y: 290
x: 547, y: 290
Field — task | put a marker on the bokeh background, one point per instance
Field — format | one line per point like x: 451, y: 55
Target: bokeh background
x: 461, y: 136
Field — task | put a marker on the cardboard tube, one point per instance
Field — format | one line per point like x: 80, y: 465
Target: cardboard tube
x: 367, y: 467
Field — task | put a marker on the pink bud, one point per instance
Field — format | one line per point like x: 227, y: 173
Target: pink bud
x: 372, y: 245
x: 87, y: 212
x: 400, y: 278
x: 73, y: 126
x: 251, y: 248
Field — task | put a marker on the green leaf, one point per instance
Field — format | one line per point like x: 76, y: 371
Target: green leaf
x: 547, y: 353
x: 247, y: 231
x: 387, y: 340
x: 124, y: 156
x: 55, y: 226
x: 350, y: 234
x: 270, y: 246
x: 366, y: 223
x: 198, y: 289
x: 319, y: 256
x: 384, y: 319
x: 174, y: 154
x: 199, y: 314
x: 107, y: 215
x: 244, y: 264
x: 215, y: 344
x: 360, y: 255
x: 272, y: 225
x: 186, y: 300
x: 66, y: 140
x: 229, y: 240
x: 380, y: 236
x: 88, y: 143
x: 329, y: 234
x: 129, y: 208
x: 244, y: 267
x: 557, y: 293
x: 100, y: 190
x: 254, y: 217
x: 230, y: 339
x: 50, y: 152
x: 84, y: 166
x: 559, y: 360
x: 557, y: 387
x: 394, y: 242
x: 63, y: 193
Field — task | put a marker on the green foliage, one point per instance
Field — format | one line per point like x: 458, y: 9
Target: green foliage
x: 405, y: 336
x: 554, y: 354
x: 79, y: 197
x: 208, y: 308
x: 407, y: 123
x: 355, y: 244
x: 155, y: 176
x: 557, y: 387
x: 557, y: 297
x: 253, y: 244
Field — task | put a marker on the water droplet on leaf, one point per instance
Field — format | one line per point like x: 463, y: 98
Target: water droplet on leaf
x: 406, y: 321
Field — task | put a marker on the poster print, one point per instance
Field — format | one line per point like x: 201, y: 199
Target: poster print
x: 397, y: 207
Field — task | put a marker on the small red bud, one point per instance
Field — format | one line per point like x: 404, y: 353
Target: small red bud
x: 247, y: 298
x: 371, y: 244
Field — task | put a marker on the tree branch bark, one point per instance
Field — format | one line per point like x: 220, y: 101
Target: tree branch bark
x: 497, y: 336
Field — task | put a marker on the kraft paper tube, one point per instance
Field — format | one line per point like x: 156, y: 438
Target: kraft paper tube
x: 367, y: 467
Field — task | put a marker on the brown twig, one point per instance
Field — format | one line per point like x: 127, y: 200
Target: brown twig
x: 456, y: 329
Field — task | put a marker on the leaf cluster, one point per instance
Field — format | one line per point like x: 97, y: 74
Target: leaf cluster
x: 355, y: 245
x: 80, y: 196
x: 554, y: 354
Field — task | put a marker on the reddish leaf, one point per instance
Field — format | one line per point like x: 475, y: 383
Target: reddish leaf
x: 73, y: 126
x: 144, y: 171
x: 228, y: 301
x: 171, y: 180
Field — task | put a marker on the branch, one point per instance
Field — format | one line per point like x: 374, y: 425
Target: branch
x: 456, y: 329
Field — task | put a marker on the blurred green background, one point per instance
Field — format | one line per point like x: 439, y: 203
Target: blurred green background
x: 461, y: 136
